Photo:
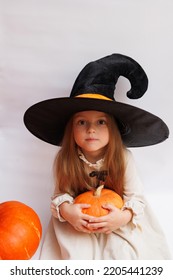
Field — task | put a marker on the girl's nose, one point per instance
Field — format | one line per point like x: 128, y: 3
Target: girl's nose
x: 91, y: 127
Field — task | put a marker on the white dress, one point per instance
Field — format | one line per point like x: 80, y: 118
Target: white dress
x: 140, y: 239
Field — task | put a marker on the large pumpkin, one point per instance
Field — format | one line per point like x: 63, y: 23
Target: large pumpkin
x: 96, y: 198
x: 20, y: 231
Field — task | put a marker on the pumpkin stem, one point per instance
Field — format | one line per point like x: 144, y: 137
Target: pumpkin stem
x: 98, y: 191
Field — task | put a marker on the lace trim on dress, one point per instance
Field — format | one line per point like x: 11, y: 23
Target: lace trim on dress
x: 97, y: 165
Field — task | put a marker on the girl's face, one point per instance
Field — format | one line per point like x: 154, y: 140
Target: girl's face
x: 91, y: 134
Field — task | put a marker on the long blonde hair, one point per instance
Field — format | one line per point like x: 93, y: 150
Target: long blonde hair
x: 69, y: 171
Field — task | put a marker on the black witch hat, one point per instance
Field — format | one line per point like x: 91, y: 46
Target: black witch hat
x: 94, y: 90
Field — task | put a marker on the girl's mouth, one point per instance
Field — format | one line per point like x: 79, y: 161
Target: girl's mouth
x: 91, y: 139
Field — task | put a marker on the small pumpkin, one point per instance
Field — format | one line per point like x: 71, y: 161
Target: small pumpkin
x: 20, y: 231
x: 96, y: 198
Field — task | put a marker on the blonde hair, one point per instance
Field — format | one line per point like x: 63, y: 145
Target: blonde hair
x: 69, y: 172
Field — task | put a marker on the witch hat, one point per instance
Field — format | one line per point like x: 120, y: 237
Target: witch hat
x: 94, y: 90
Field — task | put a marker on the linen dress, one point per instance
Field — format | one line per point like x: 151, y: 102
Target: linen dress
x: 140, y: 239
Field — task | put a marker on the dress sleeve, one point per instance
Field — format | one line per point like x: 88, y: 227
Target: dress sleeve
x: 57, y: 200
x: 133, y: 194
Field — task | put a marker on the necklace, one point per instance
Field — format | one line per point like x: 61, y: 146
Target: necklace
x: 97, y: 165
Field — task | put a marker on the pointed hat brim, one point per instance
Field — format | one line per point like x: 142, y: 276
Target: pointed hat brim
x: 47, y: 120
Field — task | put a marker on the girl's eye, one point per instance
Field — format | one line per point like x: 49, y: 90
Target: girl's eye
x: 101, y: 122
x: 81, y: 122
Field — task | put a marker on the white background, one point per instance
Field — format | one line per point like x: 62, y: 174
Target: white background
x: 43, y: 47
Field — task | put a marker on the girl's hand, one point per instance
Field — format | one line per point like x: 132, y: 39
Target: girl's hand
x: 111, y: 222
x: 72, y: 213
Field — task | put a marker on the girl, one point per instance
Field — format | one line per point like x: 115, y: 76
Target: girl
x: 91, y: 142
x: 94, y: 132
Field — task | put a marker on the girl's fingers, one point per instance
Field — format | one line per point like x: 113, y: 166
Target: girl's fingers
x: 85, y: 224
x: 109, y: 207
x: 84, y: 205
x: 96, y: 225
x: 97, y: 220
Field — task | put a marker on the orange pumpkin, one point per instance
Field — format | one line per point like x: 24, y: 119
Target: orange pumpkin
x: 20, y: 231
x: 96, y: 199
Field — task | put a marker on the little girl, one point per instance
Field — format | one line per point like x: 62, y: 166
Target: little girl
x: 94, y: 132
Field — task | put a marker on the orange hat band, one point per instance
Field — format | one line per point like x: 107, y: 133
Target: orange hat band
x: 94, y: 96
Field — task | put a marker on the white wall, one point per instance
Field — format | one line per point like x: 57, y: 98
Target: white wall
x: 44, y: 45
